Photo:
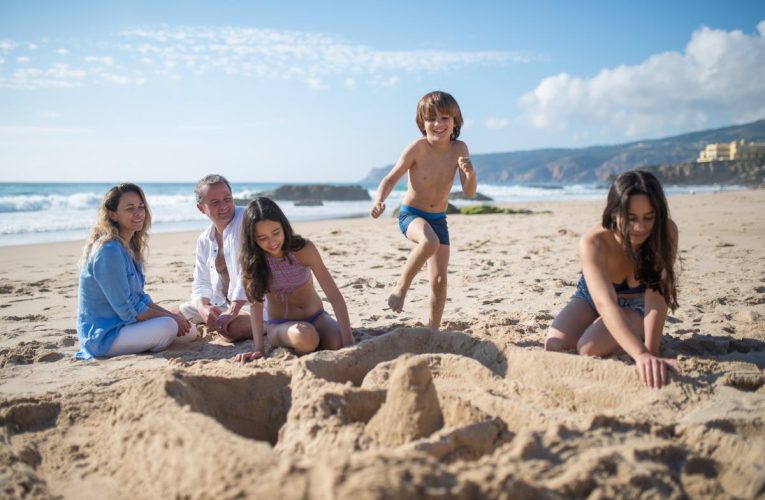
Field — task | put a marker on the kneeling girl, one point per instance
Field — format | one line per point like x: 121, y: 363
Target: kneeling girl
x: 278, y: 267
x: 628, y: 280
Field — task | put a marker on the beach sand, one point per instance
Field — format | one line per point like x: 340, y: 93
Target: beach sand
x: 478, y: 410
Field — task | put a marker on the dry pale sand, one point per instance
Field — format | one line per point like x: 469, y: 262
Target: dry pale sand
x: 476, y: 411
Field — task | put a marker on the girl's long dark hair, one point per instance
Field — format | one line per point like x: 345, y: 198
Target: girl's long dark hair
x: 655, y: 259
x: 255, y: 271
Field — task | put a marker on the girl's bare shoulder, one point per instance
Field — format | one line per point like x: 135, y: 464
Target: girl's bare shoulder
x: 597, y: 239
x: 306, y: 254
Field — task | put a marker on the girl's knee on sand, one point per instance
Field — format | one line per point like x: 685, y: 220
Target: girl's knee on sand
x: 589, y: 347
x: 303, y: 337
x: 556, y: 341
x: 332, y: 342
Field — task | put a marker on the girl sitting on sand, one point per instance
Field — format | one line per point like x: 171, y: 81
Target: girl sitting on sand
x: 114, y: 314
x: 628, y: 280
x: 277, y: 265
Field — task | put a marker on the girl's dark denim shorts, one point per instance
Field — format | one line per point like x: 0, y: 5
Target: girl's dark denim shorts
x: 635, y: 303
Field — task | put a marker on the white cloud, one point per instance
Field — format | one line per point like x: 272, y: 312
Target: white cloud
x: 719, y: 74
x: 496, y: 123
x: 58, y: 75
x: 49, y: 114
x: 105, y: 60
x: 382, y: 81
x: 22, y: 130
x: 315, y: 83
x: 306, y: 56
x: 122, y: 79
x: 468, y: 124
x: 180, y: 52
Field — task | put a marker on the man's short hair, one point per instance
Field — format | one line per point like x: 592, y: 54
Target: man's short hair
x: 209, y: 180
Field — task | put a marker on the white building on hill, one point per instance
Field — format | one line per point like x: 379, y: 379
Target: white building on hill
x: 735, y: 150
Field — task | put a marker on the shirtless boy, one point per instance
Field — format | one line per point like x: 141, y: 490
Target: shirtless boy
x: 431, y: 163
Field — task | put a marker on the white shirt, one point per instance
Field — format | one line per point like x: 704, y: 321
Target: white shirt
x: 207, y: 282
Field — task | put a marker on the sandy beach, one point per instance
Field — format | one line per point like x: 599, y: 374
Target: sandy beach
x: 478, y: 410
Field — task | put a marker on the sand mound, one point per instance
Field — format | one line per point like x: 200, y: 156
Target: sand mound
x: 392, y: 417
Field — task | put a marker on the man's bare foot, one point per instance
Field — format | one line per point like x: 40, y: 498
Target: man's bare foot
x: 396, y: 300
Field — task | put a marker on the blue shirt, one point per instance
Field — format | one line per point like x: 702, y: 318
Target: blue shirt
x: 111, y: 296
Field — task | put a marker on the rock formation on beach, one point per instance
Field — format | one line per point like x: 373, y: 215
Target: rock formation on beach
x: 313, y: 193
x: 459, y: 195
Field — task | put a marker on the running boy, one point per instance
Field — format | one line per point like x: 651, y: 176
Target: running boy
x: 431, y: 162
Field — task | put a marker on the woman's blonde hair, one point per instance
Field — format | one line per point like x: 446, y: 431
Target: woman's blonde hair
x: 105, y: 229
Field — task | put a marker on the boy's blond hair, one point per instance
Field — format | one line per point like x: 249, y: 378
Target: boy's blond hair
x: 439, y: 102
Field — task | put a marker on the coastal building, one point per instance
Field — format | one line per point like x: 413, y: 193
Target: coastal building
x: 734, y: 150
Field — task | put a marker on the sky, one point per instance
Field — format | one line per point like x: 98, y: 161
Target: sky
x: 169, y: 91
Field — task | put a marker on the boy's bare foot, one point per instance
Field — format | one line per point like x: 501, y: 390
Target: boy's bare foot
x: 396, y: 300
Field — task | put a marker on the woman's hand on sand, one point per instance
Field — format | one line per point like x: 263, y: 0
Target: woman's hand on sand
x: 248, y: 356
x: 377, y: 209
x: 183, y: 324
x: 653, y: 370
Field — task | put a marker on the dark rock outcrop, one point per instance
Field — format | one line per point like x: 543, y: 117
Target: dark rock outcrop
x: 459, y: 195
x: 322, y: 192
x: 309, y: 203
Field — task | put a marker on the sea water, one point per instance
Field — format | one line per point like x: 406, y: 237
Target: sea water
x: 44, y: 212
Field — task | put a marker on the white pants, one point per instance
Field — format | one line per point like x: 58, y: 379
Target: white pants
x: 153, y: 335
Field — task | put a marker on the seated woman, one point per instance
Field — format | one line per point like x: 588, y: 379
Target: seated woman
x: 114, y: 314
x: 277, y: 266
x: 628, y: 280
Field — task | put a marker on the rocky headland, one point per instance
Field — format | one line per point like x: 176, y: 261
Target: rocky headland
x: 312, y: 194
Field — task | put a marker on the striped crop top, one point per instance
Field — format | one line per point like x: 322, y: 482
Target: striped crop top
x: 287, y: 275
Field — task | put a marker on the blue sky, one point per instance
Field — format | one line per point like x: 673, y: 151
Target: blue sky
x: 325, y: 91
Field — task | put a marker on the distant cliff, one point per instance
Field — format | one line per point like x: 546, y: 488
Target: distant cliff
x: 743, y: 172
x: 595, y: 163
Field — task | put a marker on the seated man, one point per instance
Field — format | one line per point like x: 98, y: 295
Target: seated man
x: 218, y: 298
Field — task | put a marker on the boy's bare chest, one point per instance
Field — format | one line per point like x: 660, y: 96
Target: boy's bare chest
x: 434, y: 167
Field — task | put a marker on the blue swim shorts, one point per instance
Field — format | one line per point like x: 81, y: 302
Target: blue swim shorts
x: 635, y: 303
x: 437, y: 221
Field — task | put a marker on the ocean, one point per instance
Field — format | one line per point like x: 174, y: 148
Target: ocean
x: 45, y: 212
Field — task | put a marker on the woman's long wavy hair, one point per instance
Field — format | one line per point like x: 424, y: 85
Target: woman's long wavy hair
x: 255, y: 270
x: 105, y: 229
x: 654, y: 260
